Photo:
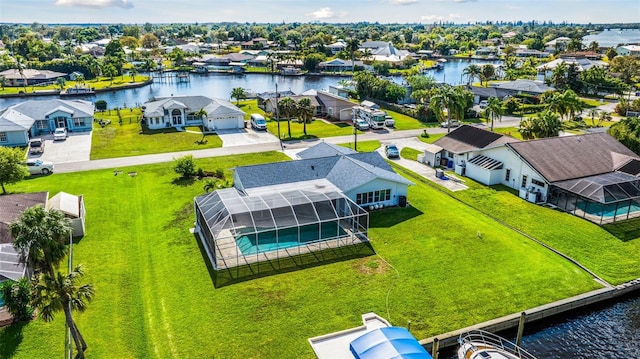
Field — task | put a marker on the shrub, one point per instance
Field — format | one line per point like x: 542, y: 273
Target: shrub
x: 219, y: 173
x: 185, y: 166
x: 17, y: 297
x: 101, y: 105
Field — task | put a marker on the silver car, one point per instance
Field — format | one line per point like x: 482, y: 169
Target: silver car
x: 38, y: 167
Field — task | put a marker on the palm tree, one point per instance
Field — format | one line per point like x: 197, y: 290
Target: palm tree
x: 63, y: 293
x: 305, y: 112
x: 487, y: 73
x: 287, y: 109
x: 41, y: 236
x: 201, y: 114
x: 494, y: 110
x: 210, y: 185
x: 60, y: 81
x: 526, y: 129
x: 238, y: 93
x: 452, y: 99
x: 472, y: 71
x: 352, y: 46
x: 133, y: 72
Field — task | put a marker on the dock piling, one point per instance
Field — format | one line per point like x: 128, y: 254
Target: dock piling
x: 523, y: 316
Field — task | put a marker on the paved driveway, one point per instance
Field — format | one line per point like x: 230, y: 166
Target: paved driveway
x: 77, y: 147
x: 246, y: 136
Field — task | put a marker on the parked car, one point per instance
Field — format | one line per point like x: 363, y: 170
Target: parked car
x: 484, y: 104
x: 36, y: 146
x: 37, y: 167
x: 362, y: 125
x: 258, y: 122
x: 454, y: 123
x: 389, y: 121
x: 391, y: 151
x: 60, y: 133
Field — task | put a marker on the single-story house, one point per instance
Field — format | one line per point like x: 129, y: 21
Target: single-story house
x: 11, y: 208
x: 269, y: 105
x: 326, y: 104
x: 557, y: 44
x: 522, y: 86
x: 180, y: 111
x: 481, y: 93
x: 582, y: 63
x: 20, y: 122
x: 339, y: 65
x: 287, y: 208
x: 13, y: 77
x: 337, y: 46
x: 531, y: 53
x: 628, y: 50
x: 384, y: 51
x: 592, y: 175
x: 73, y: 208
x: 466, y: 142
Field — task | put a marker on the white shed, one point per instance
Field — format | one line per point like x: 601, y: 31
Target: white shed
x: 431, y: 155
x: 73, y: 207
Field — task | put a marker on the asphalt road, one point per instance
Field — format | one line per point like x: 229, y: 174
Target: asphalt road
x: 120, y: 162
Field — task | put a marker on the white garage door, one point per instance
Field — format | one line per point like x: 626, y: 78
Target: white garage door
x: 226, y: 123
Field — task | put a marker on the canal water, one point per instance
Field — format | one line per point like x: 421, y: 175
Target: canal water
x: 613, y: 37
x: 220, y: 85
x: 606, y: 331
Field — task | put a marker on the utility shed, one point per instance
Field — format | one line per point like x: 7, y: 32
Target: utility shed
x: 73, y: 208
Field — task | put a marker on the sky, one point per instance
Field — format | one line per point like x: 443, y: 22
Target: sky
x: 331, y: 11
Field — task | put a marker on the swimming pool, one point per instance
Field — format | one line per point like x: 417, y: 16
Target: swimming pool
x: 287, y: 238
x: 1, y: 300
x: 608, y: 211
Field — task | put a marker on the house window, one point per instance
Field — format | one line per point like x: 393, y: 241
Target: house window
x: 507, y: 175
x: 42, y: 124
x: 373, y: 196
x: 537, y: 183
x: 3, y: 137
x: 78, y: 121
x: 176, y: 116
x: 524, y: 182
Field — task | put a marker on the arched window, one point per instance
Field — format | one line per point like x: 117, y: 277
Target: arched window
x: 176, y: 117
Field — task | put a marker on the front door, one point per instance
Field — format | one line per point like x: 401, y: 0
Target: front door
x: 61, y: 122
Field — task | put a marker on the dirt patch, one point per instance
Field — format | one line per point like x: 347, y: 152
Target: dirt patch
x: 371, y: 265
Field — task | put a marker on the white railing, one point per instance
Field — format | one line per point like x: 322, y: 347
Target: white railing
x: 477, y: 340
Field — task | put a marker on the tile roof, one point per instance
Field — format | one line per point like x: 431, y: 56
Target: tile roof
x: 470, y: 138
x: 564, y: 158
x: 213, y: 107
x: 39, y: 109
x: 524, y: 86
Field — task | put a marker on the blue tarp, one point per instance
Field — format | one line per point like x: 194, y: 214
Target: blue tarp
x: 388, y: 343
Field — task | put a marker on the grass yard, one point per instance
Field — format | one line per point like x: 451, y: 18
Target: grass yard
x: 432, y: 137
x: 128, y: 139
x: 316, y: 129
x: 97, y: 83
x: 509, y: 131
x: 363, y: 146
x: 614, y: 259
x: 410, y: 153
x: 249, y: 107
x: 155, y: 298
x: 404, y: 122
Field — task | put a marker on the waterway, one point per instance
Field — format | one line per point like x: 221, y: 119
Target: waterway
x: 220, y: 85
x: 613, y: 37
x: 607, y: 331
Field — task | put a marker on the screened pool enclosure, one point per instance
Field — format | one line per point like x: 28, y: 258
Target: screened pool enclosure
x: 237, y: 229
x: 604, y: 198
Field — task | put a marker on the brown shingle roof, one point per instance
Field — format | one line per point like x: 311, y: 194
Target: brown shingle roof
x: 563, y: 158
x: 11, y: 208
x: 470, y: 138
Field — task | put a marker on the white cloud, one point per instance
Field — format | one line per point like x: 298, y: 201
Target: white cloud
x: 125, y: 4
x: 402, y: 2
x: 455, y: 16
x: 431, y: 17
x: 465, y: 0
x: 324, y: 13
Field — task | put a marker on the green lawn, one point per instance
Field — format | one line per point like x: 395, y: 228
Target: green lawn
x: 97, y: 83
x: 363, y: 146
x: 404, y: 122
x: 316, y: 129
x: 410, y: 153
x: 452, y: 267
x: 129, y: 139
x: 614, y: 259
x: 509, y: 131
x: 432, y: 137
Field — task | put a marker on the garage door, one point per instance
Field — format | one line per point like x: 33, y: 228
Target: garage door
x: 226, y: 123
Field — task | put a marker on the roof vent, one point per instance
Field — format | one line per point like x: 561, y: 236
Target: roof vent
x: 313, y: 168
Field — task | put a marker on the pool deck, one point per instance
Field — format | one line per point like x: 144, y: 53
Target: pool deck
x: 228, y: 255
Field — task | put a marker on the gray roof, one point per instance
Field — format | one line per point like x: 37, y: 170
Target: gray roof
x: 213, y: 107
x: 40, y: 109
x: 324, y: 149
x: 344, y: 171
x: 522, y: 85
x: 11, y: 208
x: 487, y: 92
x: 470, y: 138
x: 565, y: 158
x: 31, y: 74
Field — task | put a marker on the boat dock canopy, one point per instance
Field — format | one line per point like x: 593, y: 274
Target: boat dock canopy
x: 391, y: 342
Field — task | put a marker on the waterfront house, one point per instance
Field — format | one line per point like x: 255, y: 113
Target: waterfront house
x: 339, y: 65
x: 28, y: 77
x: 557, y: 44
x: 591, y: 175
x: 522, y: 86
x: 179, y: 111
x: 628, y: 50
x: 582, y: 63
x: 32, y: 118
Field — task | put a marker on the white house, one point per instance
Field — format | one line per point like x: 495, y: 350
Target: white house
x: 628, y: 50
x: 180, y: 111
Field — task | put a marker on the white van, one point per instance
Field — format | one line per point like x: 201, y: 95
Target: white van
x: 258, y: 122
